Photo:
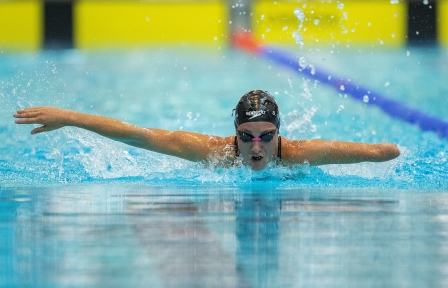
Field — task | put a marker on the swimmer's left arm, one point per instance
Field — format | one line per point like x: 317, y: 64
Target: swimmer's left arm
x: 322, y: 152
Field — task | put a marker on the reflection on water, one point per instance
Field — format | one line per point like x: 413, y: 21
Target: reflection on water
x: 257, y: 231
x: 242, y: 237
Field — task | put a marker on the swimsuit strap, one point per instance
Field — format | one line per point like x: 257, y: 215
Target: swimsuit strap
x: 236, y: 147
x: 279, y: 150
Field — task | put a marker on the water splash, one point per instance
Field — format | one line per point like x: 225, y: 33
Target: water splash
x: 300, y: 15
x: 300, y: 122
x: 302, y: 62
x: 73, y: 161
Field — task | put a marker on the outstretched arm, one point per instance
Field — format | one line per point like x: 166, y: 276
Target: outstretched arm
x: 321, y: 152
x: 186, y: 145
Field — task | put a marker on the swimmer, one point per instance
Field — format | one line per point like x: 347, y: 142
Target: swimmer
x: 256, y: 143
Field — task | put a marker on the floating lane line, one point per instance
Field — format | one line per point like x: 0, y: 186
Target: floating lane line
x: 246, y: 41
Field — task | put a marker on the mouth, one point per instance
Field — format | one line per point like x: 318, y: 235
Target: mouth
x: 257, y: 158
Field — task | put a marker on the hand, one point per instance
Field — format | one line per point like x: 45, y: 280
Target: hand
x: 51, y: 118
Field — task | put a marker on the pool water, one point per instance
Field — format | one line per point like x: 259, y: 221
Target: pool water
x: 80, y: 210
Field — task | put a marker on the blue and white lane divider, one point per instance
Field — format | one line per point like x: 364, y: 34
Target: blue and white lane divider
x: 393, y: 108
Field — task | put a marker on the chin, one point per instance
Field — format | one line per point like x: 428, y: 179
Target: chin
x: 258, y: 167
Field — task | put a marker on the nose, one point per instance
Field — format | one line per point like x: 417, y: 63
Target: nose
x: 256, y: 147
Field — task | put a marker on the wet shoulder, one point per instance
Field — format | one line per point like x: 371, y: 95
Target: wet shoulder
x: 294, y: 151
x: 223, y: 151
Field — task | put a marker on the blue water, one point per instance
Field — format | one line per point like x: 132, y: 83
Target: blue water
x: 80, y: 210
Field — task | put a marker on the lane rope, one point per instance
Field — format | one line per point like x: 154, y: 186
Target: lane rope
x: 246, y: 41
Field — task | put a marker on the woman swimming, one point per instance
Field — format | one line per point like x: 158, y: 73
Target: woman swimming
x: 256, y: 143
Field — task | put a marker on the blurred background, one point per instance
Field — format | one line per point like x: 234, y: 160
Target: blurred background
x: 101, y: 24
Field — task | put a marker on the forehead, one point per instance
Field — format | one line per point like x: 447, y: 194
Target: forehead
x: 257, y: 127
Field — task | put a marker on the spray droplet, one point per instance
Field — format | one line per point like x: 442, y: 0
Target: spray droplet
x: 296, y: 34
x: 299, y: 14
x: 302, y: 62
x: 299, y: 39
x: 365, y: 99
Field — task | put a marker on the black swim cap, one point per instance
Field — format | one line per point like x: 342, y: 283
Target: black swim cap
x: 257, y: 106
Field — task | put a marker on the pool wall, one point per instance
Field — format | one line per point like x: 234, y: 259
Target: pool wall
x: 87, y: 24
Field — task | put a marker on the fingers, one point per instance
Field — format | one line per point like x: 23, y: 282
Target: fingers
x: 28, y: 118
x: 31, y: 109
x: 38, y: 130
x: 29, y: 115
x: 26, y: 111
x: 36, y: 115
x: 28, y: 121
x: 48, y: 117
x: 26, y: 115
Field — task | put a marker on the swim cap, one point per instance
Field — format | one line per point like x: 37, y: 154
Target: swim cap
x: 257, y: 106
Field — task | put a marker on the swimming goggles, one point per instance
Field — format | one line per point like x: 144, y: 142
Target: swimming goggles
x: 266, y: 137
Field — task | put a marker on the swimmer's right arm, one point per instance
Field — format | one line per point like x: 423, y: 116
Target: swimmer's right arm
x: 186, y: 145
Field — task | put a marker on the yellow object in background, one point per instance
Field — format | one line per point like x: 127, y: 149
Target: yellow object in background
x: 376, y: 22
x: 442, y: 24
x: 131, y: 23
x: 126, y: 24
x: 21, y: 25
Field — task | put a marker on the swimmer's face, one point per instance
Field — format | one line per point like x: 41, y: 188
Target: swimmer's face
x: 257, y: 154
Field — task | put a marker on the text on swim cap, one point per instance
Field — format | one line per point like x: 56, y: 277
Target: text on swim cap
x: 258, y: 113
